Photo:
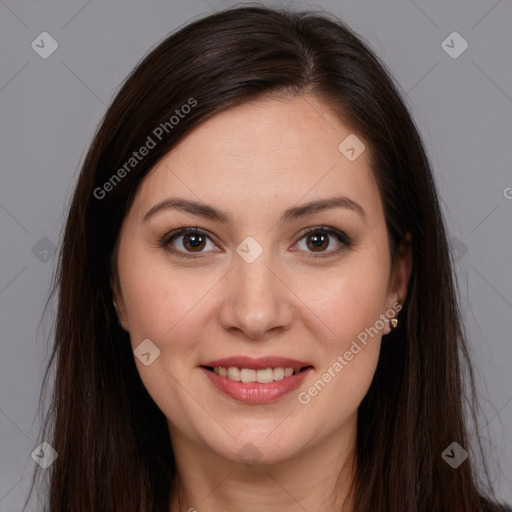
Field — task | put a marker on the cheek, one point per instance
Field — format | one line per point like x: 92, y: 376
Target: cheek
x: 348, y: 304
x: 166, y: 305
x: 154, y: 302
x: 349, y: 352
x: 162, y: 306
x: 347, y: 301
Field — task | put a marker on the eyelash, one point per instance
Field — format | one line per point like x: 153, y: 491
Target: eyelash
x: 343, y: 238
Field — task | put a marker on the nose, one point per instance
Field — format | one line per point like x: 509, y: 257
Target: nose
x: 257, y: 303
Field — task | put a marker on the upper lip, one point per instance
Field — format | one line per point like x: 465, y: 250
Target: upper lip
x: 259, y: 363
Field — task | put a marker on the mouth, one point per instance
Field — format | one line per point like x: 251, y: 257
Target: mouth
x: 256, y: 380
x: 262, y: 376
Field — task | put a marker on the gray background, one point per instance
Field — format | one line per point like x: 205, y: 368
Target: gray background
x: 51, y: 107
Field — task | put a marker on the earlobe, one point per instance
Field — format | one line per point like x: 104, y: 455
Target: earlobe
x: 400, y: 281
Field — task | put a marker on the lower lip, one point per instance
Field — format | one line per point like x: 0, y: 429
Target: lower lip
x: 256, y: 392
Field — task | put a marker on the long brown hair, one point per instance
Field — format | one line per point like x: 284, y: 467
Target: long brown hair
x: 113, y: 444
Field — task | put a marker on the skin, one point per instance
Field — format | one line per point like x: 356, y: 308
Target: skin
x: 254, y: 161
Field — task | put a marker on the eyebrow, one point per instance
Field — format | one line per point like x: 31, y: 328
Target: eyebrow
x: 209, y: 212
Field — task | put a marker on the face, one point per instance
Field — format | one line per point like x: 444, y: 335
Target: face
x: 262, y: 283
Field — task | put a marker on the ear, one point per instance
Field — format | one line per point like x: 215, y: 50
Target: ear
x: 399, y: 278
x: 119, y: 305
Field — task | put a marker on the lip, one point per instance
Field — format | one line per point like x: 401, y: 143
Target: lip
x: 256, y: 392
x: 257, y: 363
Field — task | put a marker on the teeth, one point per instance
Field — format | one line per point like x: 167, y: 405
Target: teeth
x: 247, y: 375
x: 233, y: 373
x: 278, y: 373
x: 264, y: 376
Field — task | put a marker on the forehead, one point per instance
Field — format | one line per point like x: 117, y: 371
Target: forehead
x: 269, y: 153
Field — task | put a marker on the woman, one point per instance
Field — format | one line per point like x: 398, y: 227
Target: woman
x: 256, y: 302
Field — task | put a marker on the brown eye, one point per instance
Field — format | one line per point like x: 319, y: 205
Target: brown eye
x: 187, y: 242
x: 194, y: 242
x: 319, y: 239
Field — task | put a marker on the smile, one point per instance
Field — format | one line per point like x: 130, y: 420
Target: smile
x: 256, y: 380
x: 263, y: 376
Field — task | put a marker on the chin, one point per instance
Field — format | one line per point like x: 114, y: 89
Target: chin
x: 258, y: 449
